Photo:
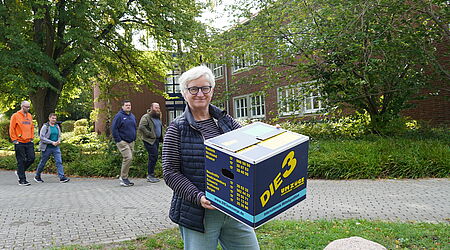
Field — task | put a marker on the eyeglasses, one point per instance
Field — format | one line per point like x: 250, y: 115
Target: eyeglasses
x: 194, y: 90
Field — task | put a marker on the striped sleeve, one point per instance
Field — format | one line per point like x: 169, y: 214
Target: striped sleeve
x: 235, y: 124
x: 171, y: 164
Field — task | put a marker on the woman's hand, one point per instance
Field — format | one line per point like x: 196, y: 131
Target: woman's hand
x: 206, y: 203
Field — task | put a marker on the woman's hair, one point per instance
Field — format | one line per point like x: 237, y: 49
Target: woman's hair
x: 193, y: 74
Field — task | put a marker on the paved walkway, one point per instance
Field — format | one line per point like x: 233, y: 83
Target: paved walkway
x: 91, y: 210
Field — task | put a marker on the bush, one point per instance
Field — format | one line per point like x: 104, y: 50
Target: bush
x: 68, y: 126
x: 81, y: 123
x: 6, y: 144
x: 379, y: 157
x: 80, y: 130
x: 349, y: 126
x: 4, y: 130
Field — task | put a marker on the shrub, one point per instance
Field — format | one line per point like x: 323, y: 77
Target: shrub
x: 88, y: 142
x: 6, y: 144
x: 68, y: 126
x: 4, y: 130
x: 70, y: 152
x: 81, y: 123
x: 378, y: 157
x: 8, y: 162
x: 80, y: 130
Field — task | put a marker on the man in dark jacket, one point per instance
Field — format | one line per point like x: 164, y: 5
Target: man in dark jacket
x: 150, y: 126
x: 124, y: 134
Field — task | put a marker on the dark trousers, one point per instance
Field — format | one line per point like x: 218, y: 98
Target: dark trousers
x: 25, y: 157
x: 152, y: 151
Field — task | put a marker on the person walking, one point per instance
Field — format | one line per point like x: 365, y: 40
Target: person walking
x: 183, y: 158
x: 152, y: 131
x: 124, y: 134
x: 21, y: 131
x: 50, y: 136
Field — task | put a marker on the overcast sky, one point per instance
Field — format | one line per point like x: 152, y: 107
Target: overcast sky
x: 218, y: 17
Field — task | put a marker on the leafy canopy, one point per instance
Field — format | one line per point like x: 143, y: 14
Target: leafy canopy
x: 371, y: 55
x: 50, y: 47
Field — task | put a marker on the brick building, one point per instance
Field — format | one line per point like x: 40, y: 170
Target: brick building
x: 247, y: 101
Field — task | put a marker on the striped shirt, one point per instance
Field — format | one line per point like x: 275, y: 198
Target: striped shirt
x: 171, y: 159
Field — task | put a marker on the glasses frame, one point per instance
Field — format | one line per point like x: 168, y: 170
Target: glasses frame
x: 205, y: 90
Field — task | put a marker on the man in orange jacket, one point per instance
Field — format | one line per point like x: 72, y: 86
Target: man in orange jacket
x: 21, y: 131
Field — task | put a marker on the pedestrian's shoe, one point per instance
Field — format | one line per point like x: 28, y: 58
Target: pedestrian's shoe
x: 38, y: 179
x: 125, y: 182
x: 24, y: 183
x: 64, y: 179
x: 152, y: 179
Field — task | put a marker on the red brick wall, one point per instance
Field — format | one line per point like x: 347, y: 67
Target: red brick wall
x: 140, y: 98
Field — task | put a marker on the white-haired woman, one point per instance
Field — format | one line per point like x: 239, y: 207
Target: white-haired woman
x: 201, y: 225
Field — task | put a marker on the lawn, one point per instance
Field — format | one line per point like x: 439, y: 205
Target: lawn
x: 313, y: 235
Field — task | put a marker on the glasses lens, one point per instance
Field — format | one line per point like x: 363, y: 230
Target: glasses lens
x: 206, y: 89
x: 193, y: 90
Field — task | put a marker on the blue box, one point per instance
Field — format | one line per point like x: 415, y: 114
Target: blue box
x: 256, y: 172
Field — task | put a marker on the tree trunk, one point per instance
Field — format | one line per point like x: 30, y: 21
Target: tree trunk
x: 44, y: 102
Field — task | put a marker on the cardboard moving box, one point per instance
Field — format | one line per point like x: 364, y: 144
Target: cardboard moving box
x: 256, y: 172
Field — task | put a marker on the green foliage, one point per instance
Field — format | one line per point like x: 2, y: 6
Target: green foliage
x: 349, y: 126
x: 68, y: 126
x: 6, y: 144
x: 8, y: 162
x: 81, y: 123
x: 4, y: 130
x: 50, y: 49
x: 81, y: 127
x: 339, y: 149
x: 75, y: 104
x: 80, y: 130
x: 370, y: 55
x: 377, y: 157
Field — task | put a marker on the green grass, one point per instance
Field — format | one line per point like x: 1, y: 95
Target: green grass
x: 314, y: 235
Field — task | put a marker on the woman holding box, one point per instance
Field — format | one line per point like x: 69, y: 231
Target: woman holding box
x: 201, y: 225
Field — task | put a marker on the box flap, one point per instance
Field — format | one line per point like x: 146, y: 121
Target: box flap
x: 245, y: 136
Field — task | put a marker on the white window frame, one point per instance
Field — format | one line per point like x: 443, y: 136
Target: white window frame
x: 217, y: 69
x: 309, y: 104
x: 244, y: 61
x: 249, y: 106
x: 172, y: 81
x: 240, y: 105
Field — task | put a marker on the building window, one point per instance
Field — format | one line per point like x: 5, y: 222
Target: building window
x: 298, y: 100
x: 244, y: 61
x: 172, y: 114
x: 257, y: 106
x: 217, y: 69
x: 172, y: 85
x: 240, y: 107
x: 249, y: 106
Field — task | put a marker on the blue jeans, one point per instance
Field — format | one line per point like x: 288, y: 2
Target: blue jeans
x: 45, y: 155
x: 221, y: 228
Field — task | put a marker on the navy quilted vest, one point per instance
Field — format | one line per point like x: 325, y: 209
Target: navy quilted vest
x: 192, y: 147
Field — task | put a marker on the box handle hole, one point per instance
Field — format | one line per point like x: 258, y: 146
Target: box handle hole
x: 227, y: 173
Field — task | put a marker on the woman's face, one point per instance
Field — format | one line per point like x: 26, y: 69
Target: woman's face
x: 200, y: 100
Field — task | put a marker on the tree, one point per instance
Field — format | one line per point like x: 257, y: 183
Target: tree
x: 371, y: 55
x: 47, y: 47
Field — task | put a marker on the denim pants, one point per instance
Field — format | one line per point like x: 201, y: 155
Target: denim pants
x: 221, y: 228
x: 152, y: 151
x: 25, y: 157
x: 45, y: 155
x: 126, y: 149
